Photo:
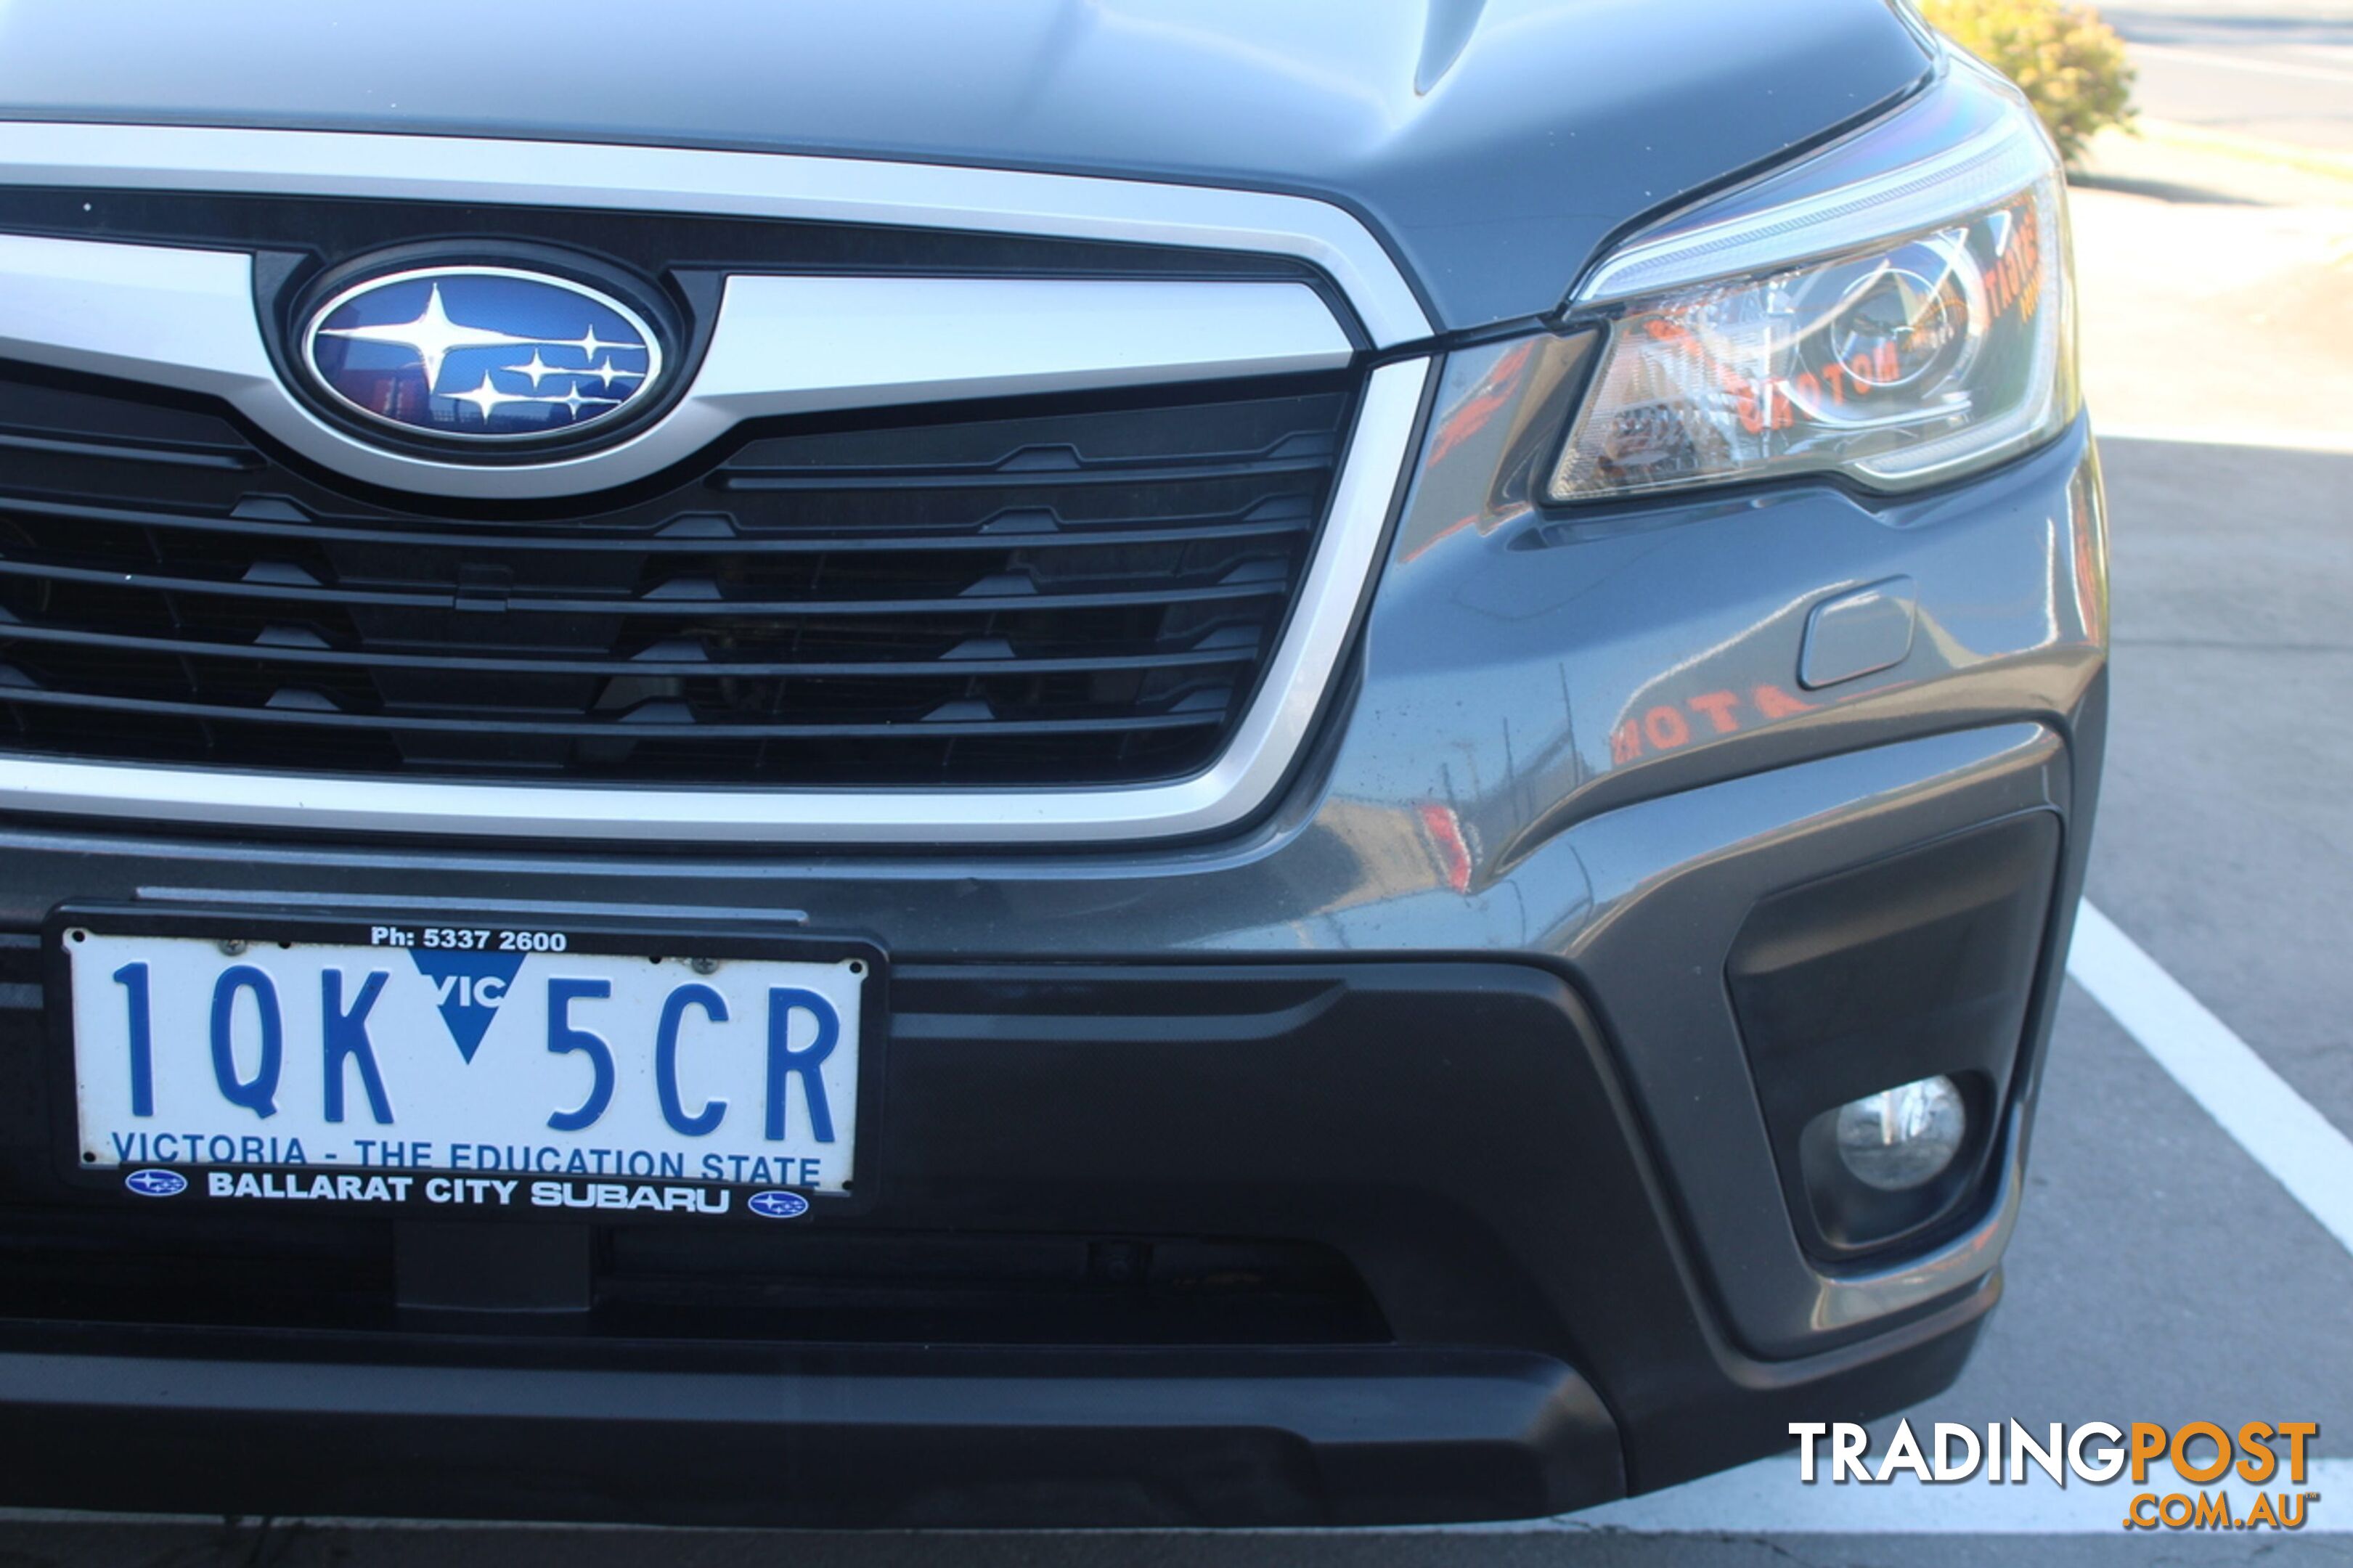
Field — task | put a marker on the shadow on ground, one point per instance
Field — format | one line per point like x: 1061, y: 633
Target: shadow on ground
x: 2163, y: 190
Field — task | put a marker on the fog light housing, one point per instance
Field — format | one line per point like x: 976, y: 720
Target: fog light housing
x: 1902, y: 1138
x: 1917, y: 967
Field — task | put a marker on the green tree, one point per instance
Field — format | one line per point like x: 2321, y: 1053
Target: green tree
x: 2070, y: 63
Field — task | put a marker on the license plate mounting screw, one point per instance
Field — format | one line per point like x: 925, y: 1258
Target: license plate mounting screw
x: 232, y: 945
x: 704, y: 965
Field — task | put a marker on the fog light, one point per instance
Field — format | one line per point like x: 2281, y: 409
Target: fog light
x: 1903, y: 1137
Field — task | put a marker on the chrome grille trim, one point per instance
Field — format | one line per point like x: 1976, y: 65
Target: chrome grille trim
x: 692, y: 180
x: 1252, y: 767
x: 752, y: 184
x: 185, y: 319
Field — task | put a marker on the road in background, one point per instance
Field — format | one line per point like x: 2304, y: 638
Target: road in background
x: 2278, y: 69
x: 2217, y: 275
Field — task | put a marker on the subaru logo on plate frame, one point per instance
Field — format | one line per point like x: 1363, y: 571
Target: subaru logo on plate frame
x: 777, y: 1203
x: 481, y: 356
x: 152, y: 1183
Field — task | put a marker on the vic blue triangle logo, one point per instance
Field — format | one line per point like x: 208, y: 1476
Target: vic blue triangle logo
x: 469, y: 988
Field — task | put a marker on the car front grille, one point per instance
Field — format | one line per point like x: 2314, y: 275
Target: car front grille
x: 1077, y: 591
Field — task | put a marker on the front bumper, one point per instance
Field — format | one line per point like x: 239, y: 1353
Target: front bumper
x: 1454, y: 1011
x: 1495, y: 1202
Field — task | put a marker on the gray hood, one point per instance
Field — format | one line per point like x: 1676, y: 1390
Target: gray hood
x: 1493, y: 147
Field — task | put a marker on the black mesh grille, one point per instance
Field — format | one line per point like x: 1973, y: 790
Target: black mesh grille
x: 1048, y: 593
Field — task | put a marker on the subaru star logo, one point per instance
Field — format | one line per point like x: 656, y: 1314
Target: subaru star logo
x: 156, y: 1184
x: 480, y: 353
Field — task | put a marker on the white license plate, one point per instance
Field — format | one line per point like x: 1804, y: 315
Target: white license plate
x: 473, y: 1051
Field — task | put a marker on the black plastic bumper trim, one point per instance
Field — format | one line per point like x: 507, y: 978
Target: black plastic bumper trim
x: 886, y: 1436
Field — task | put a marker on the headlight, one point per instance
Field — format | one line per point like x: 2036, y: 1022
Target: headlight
x: 1893, y: 310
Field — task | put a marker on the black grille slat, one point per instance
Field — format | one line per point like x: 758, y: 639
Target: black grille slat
x: 449, y: 664
x: 186, y: 457
x: 1052, y: 593
x: 620, y: 727
x: 736, y: 477
x: 1266, y: 521
x: 682, y: 605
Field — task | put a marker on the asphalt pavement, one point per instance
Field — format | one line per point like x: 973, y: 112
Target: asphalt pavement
x: 2160, y: 1272
x: 2281, y: 70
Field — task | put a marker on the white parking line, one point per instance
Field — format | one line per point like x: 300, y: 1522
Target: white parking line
x: 2299, y: 1146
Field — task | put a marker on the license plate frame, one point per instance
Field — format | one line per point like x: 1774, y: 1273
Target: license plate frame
x: 599, y: 937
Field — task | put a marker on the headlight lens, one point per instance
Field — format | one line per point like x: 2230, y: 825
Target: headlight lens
x: 1893, y: 310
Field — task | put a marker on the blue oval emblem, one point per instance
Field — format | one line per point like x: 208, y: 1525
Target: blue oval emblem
x: 156, y: 1184
x: 480, y: 353
x: 777, y: 1204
